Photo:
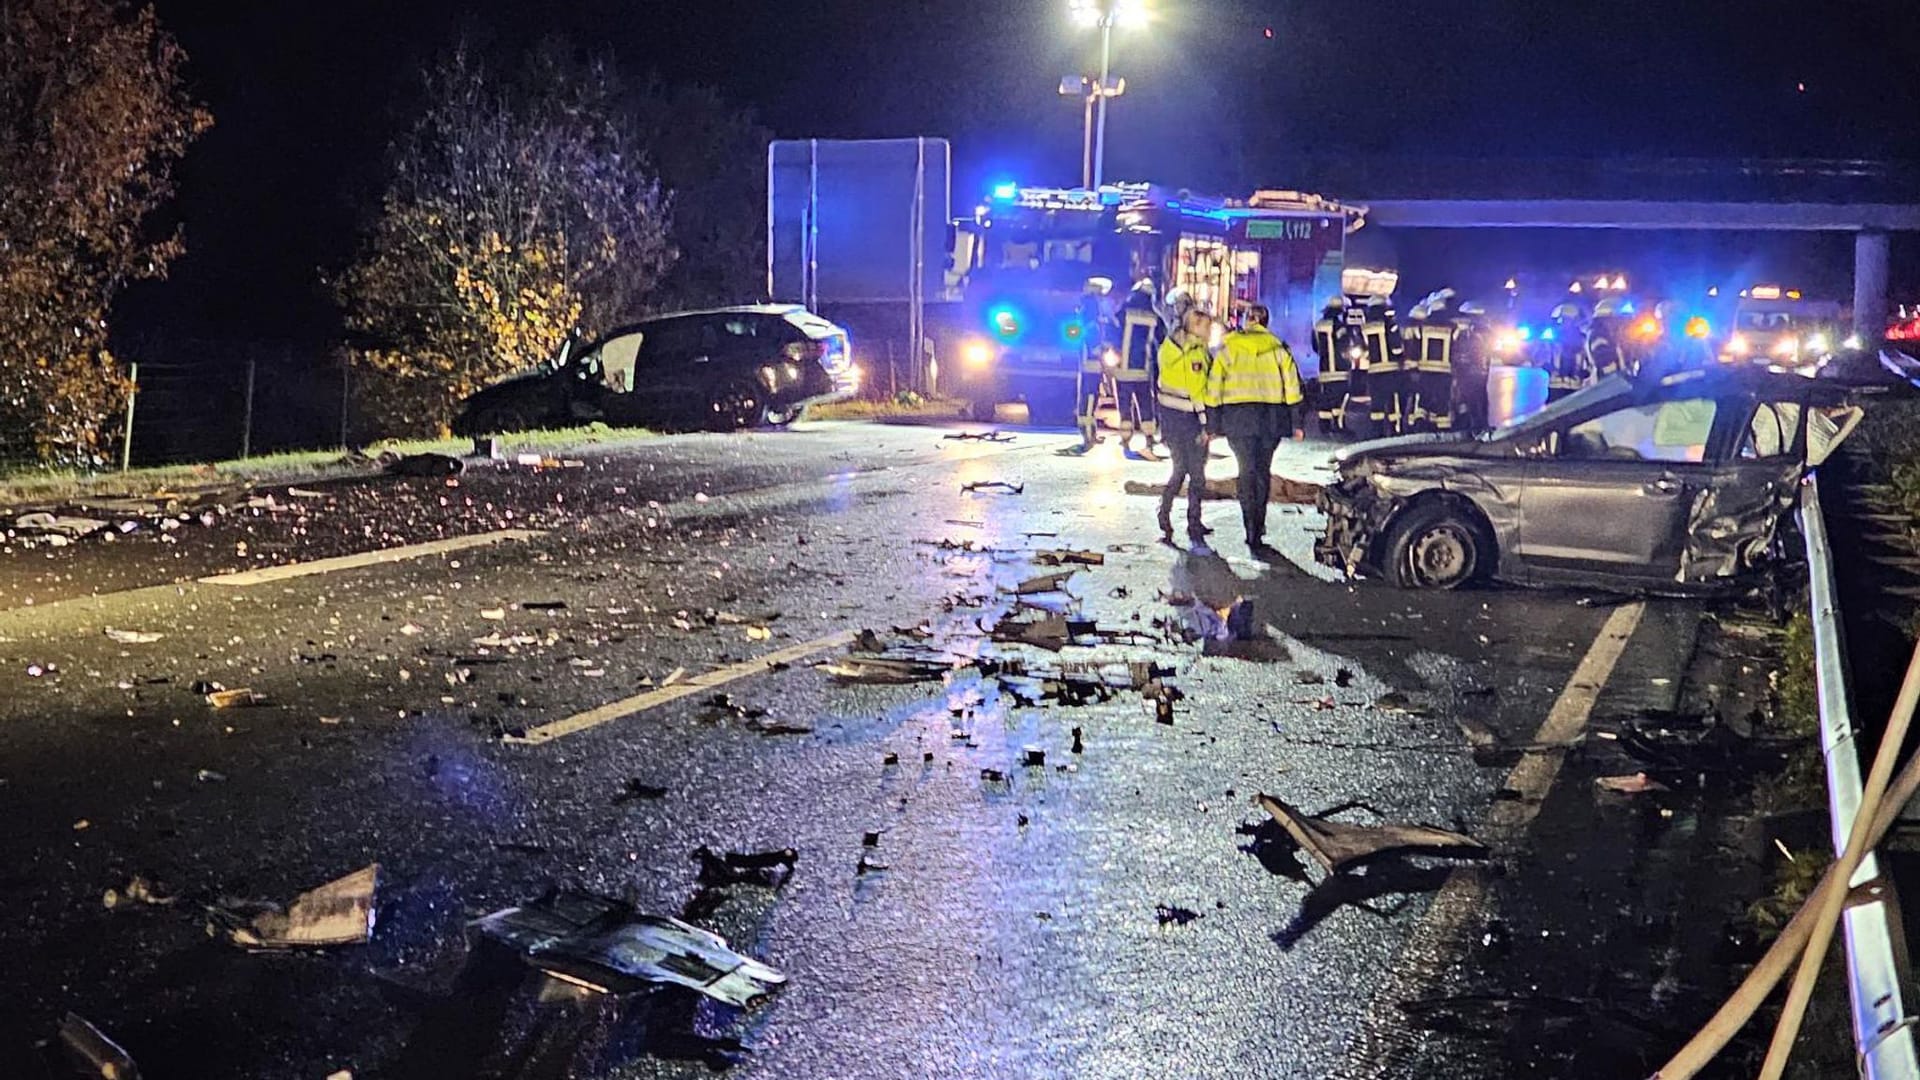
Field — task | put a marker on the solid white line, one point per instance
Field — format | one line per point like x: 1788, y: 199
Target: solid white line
x: 268, y: 574
x: 638, y: 703
x: 1462, y: 898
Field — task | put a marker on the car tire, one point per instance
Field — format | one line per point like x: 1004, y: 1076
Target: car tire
x: 779, y: 418
x: 736, y: 405
x: 1435, y: 546
x: 981, y: 411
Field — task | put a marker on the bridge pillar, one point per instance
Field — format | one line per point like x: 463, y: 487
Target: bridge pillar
x: 1870, y: 284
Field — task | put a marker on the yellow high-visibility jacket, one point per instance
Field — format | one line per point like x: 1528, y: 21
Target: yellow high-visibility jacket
x: 1183, y: 374
x: 1254, y: 367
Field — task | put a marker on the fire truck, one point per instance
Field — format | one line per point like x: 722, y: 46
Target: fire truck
x: 1038, y: 276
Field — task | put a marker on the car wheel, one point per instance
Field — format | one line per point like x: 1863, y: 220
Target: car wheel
x: 980, y: 410
x: 736, y: 405
x: 1436, y: 547
x: 776, y: 417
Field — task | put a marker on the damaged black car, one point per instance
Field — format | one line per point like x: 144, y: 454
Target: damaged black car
x: 1672, y: 484
x: 725, y: 369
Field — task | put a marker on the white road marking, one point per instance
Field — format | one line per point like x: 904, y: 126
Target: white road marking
x: 1383, y: 1041
x: 267, y: 574
x: 639, y: 703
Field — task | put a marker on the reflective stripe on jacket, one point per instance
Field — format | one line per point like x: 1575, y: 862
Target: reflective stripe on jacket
x: 1254, y: 368
x: 1183, y: 375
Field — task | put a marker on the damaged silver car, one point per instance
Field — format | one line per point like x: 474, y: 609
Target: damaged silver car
x: 1673, y: 484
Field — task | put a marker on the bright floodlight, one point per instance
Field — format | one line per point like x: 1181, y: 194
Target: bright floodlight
x: 1130, y: 12
x: 1085, y: 12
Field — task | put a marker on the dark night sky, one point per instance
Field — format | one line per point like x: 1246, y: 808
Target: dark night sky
x: 305, y: 96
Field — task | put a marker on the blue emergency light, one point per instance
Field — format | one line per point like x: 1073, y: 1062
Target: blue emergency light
x: 1006, y: 190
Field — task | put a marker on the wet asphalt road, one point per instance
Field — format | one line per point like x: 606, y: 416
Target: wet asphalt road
x: 1012, y: 930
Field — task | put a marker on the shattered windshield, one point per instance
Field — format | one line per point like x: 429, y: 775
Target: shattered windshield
x: 1611, y: 388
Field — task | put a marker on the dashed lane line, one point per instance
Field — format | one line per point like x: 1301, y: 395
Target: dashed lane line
x: 287, y: 571
x: 1384, y: 1046
x: 639, y: 703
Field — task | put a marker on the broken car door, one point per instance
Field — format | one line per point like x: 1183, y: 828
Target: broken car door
x: 1732, y: 524
x: 1732, y: 521
x: 1610, y: 495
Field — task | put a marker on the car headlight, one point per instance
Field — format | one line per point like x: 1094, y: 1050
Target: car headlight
x: 1738, y: 345
x: 976, y: 354
x: 1786, y: 346
x: 1110, y: 358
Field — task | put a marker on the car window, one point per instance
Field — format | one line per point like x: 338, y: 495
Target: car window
x: 671, y: 341
x: 1774, y: 432
x: 1674, y: 431
x: 617, y: 360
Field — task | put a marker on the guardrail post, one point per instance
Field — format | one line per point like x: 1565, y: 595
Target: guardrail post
x: 126, y: 437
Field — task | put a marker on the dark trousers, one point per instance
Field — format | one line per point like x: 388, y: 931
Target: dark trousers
x: 1255, y: 454
x: 1255, y: 431
x: 1185, y: 440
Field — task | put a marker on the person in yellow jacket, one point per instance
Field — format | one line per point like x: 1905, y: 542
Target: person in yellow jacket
x: 1180, y: 392
x: 1252, y: 390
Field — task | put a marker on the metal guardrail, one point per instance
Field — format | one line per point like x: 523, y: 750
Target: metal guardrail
x: 1877, y: 978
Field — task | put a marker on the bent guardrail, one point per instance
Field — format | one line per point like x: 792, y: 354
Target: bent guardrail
x: 1877, y: 979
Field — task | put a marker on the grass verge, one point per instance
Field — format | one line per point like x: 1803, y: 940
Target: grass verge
x: 903, y: 407
x: 31, y: 485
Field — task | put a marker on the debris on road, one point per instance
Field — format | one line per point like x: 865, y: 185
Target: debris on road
x: 90, y: 1049
x: 234, y: 699
x: 133, y: 637
x: 637, y: 789
x: 1631, y: 784
x: 767, y: 869
x: 42, y: 523
x: 139, y: 890
x: 1059, y: 557
x: 1163, y: 695
x: 1284, y: 490
x: 882, y: 670
x: 979, y: 436
x: 1337, y: 845
x: 340, y: 912
x: 1044, y: 583
x: 427, y: 465
x: 605, y: 945
x: 1166, y: 914
x: 1077, y: 746
x: 993, y: 485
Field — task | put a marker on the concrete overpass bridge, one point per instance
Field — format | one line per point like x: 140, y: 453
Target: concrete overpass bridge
x: 1865, y: 198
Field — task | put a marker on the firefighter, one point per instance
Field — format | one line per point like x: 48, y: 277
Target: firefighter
x: 1141, y: 331
x: 1095, y: 341
x: 1252, y: 390
x: 1181, y: 393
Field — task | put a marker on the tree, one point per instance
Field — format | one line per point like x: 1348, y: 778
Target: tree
x: 516, y: 210
x: 94, y: 114
x: 713, y: 157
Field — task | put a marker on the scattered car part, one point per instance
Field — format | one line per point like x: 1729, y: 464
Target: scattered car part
x: 90, y: 1049
x: 1337, y: 845
x: 341, y: 912
x: 605, y: 945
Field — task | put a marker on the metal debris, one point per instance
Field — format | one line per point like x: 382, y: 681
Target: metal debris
x: 1166, y: 914
x: 605, y: 945
x: 91, y: 1050
x: 139, y: 890
x: 636, y: 789
x: 340, y: 912
x: 993, y: 485
x: 1337, y: 845
x: 133, y: 637
x: 979, y: 436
